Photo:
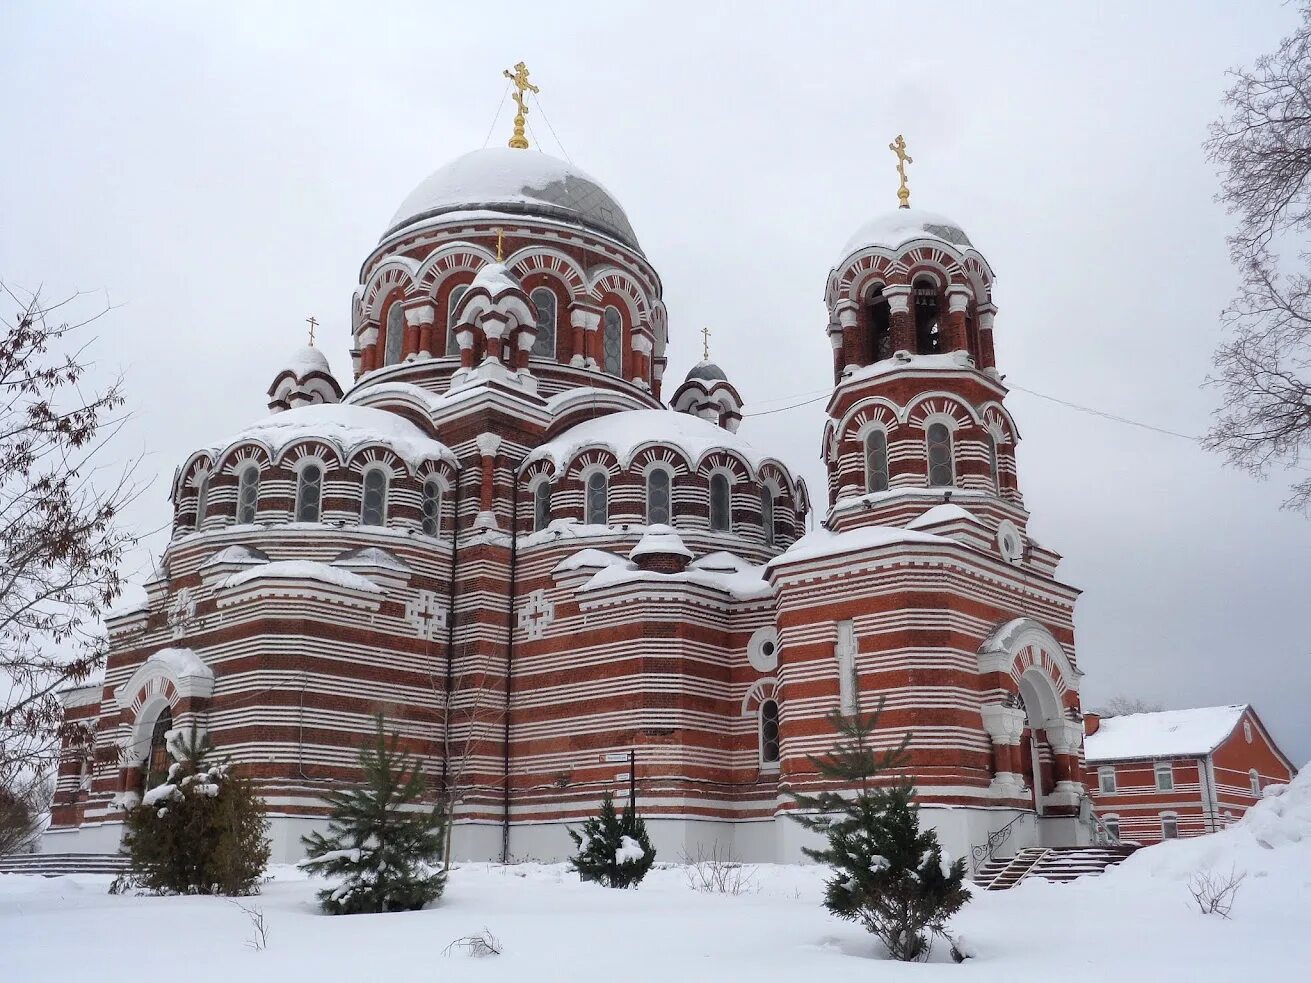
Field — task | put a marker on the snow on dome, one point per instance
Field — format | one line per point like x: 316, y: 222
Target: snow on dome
x: 660, y: 540
x: 306, y: 360
x: 496, y: 278
x: 1164, y: 734
x: 626, y: 432
x: 904, y: 225
x: 707, y: 371
x: 348, y: 427
x: 517, y: 182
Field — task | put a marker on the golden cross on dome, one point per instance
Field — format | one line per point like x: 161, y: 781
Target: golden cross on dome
x: 313, y: 322
x: 898, y: 147
x: 705, y: 344
x: 521, y: 85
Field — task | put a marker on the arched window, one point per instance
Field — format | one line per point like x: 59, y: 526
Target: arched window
x: 876, y: 461
x: 879, y: 316
x: 994, y: 471
x: 432, y: 507
x: 542, y: 505
x: 940, y: 462
x: 453, y: 346
x: 597, y: 512
x: 395, y: 334
x: 202, y: 499
x: 767, y: 514
x: 657, y: 497
x: 1112, y: 825
x: 544, y: 301
x: 247, y: 494
x: 1254, y: 777
x: 309, y: 493
x: 769, y: 732
x: 721, y: 503
x: 612, y: 328
x: 1169, y: 826
x: 157, y: 759
x: 373, y: 509
x: 928, y: 335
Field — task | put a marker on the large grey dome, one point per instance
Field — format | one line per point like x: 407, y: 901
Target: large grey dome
x: 515, y: 182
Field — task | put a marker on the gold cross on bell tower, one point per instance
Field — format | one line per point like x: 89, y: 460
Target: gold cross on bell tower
x: 519, y: 77
x: 313, y: 322
x: 705, y: 344
x: 898, y: 147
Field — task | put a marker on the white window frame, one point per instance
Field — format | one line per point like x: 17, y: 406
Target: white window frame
x: 587, y: 496
x: 248, y: 472
x: 301, y: 465
x: 1164, y: 769
x: 870, y: 471
x: 431, y: 482
x: 845, y: 650
x: 202, y: 498
x: 1103, y: 774
x: 364, y: 493
x: 452, y: 302
x: 1113, y: 833
x: 1247, y: 731
x: 619, y: 350
x: 727, y: 478
x: 769, y: 764
x: 646, y: 491
x: 388, y: 358
x: 949, y: 424
x: 768, y: 503
x: 994, y: 461
x: 1169, y: 819
x: 555, y: 321
x: 540, y: 523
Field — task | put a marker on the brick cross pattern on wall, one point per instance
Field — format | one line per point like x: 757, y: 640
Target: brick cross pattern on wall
x: 536, y: 615
x: 426, y: 614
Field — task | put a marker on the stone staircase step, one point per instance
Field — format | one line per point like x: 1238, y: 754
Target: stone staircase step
x: 61, y: 864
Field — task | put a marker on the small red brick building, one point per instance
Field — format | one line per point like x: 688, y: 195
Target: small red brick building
x: 1176, y: 773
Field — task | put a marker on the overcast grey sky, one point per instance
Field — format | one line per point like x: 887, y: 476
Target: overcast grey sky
x: 221, y: 170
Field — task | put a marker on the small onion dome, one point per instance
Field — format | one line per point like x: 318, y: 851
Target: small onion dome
x: 306, y: 381
x: 707, y: 393
x: 661, y: 550
x: 518, y: 183
x: 894, y: 229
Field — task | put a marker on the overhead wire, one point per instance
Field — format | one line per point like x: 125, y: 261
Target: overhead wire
x: 558, y: 142
x: 491, y: 129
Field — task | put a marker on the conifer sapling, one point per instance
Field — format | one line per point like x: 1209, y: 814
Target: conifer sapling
x: 613, y: 850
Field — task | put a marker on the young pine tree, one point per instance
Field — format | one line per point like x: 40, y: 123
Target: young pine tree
x: 888, y: 874
x: 613, y: 850
x: 382, y: 845
x: 201, y: 831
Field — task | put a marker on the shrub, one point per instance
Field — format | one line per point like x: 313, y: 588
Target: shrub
x: 613, y: 850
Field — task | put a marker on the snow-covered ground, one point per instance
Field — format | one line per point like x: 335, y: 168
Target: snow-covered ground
x: 1134, y: 923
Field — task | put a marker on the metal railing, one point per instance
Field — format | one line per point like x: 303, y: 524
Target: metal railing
x: 983, y: 852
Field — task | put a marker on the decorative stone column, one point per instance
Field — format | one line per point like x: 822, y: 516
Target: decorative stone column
x: 464, y: 338
x: 1065, y: 736
x: 418, y: 322
x: 525, y: 338
x: 489, y: 446
x: 1005, y: 725
x: 657, y: 374
x: 835, y: 341
x: 642, y: 347
x: 903, y: 325
x: 987, y: 358
x: 368, y: 349
x: 582, y: 320
x: 958, y: 302
x: 853, y: 349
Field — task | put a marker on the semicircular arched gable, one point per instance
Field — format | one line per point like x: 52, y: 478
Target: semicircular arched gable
x: 931, y: 404
x: 760, y: 691
x: 554, y: 264
x: 453, y: 257
x: 393, y: 275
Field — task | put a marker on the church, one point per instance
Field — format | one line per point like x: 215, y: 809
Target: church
x: 557, y: 573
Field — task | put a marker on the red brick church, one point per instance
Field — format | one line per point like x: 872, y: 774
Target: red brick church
x: 533, y: 553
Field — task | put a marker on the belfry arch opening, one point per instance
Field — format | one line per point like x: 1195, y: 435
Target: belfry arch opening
x: 878, y: 320
x: 927, y: 307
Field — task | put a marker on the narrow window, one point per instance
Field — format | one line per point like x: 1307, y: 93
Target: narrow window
x: 395, y: 333
x: 1164, y: 776
x: 543, y: 299
x: 373, y: 510
x: 202, y: 500
x: 1169, y: 828
x: 1113, y: 830
x: 928, y: 332
x: 721, y: 503
x: 613, y: 330
x: 657, y: 497
x: 769, y: 732
x: 157, y: 758
x: 767, y: 514
x: 845, y: 650
x: 1255, y: 779
x: 1106, y: 780
x: 541, y: 505
x: 598, y: 494
x: 1247, y: 731
x: 247, y: 494
x: 993, y: 470
x: 876, y: 461
x: 309, y: 492
x: 940, y: 463
x: 432, y: 507
x: 880, y: 324
x: 453, y: 346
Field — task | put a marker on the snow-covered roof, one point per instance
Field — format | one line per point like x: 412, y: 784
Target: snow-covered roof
x: 304, y: 570
x: 495, y: 278
x: 824, y: 542
x: 517, y: 182
x: 947, y: 512
x: 707, y: 371
x: 1164, y: 734
x: 348, y: 427
x: 305, y: 360
x: 626, y: 432
x: 903, y: 225
x: 660, y: 540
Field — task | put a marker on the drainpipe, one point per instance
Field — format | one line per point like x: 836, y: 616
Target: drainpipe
x: 509, y: 660
x: 450, y: 639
